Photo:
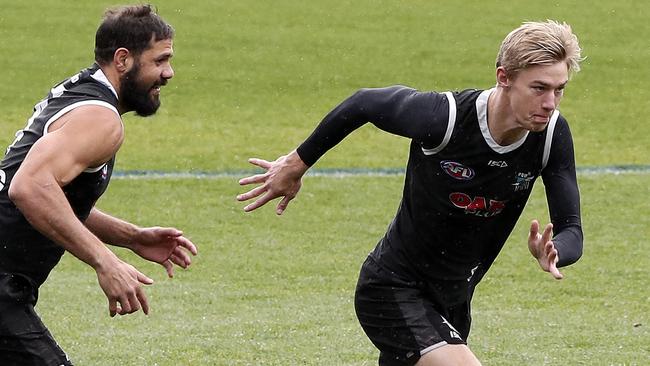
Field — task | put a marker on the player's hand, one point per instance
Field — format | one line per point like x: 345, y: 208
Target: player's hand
x: 122, y: 284
x: 164, y: 245
x: 542, y: 248
x: 283, y: 178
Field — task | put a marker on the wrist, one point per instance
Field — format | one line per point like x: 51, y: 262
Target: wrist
x: 294, y: 160
x: 103, y: 261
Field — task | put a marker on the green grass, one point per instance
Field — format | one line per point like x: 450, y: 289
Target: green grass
x: 252, y: 79
x: 274, y: 290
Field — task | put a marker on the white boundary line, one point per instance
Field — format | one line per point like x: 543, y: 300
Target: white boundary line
x: 344, y: 173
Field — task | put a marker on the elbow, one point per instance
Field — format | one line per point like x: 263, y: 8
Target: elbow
x: 17, y: 193
x: 20, y: 191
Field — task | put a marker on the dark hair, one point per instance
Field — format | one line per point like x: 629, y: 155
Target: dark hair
x: 131, y: 27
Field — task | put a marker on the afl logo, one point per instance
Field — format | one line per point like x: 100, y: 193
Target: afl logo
x: 457, y: 170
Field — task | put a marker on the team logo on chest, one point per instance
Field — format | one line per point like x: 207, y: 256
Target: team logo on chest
x: 522, y: 181
x: 457, y: 170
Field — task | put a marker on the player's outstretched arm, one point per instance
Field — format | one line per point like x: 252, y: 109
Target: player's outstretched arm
x: 542, y: 248
x: 164, y: 245
x: 283, y: 178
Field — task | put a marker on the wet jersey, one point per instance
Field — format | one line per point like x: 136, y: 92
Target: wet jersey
x: 463, y: 192
x: 22, y: 248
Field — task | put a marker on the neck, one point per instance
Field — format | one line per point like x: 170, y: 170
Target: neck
x: 501, y: 119
x: 113, y: 77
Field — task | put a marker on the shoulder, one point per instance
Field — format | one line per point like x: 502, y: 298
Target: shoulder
x: 402, y: 97
x: 93, y: 118
x: 561, y: 131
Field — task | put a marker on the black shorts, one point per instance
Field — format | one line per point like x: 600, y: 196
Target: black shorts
x: 404, y: 319
x: 24, y: 339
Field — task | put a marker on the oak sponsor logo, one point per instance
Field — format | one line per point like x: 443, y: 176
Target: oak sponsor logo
x: 457, y: 170
x: 478, y: 206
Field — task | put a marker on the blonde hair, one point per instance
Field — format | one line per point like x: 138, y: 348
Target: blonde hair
x: 539, y: 43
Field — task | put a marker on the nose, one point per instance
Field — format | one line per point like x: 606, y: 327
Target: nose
x: 549, y: 101
x: 168, y: 72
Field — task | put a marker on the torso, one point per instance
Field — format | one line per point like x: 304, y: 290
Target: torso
x: 24, y: 249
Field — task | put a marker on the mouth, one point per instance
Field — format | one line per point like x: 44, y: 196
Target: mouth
x: 156, y: 87
x: 540, y: 118
x: 155, y: 90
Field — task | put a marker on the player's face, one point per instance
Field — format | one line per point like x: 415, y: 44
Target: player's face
x: 140, y: 86
x: 535, y: 93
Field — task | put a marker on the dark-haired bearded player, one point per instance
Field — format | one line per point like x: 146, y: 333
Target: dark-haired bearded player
x: 473, y: 160
x: 57, y: 168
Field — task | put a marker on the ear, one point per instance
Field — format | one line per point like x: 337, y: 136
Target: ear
x: 122, y: 59
x: 502, y: 77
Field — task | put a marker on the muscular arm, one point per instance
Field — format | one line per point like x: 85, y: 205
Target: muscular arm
x: 164, y: 245
x: 397, y: 109
x: 109, y: 229
x: 85, y: 137
x: 563, y: 197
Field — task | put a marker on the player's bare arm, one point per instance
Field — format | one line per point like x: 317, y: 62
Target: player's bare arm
x: 164, y: 245
x: 283, y: 178
x: 84, y: 138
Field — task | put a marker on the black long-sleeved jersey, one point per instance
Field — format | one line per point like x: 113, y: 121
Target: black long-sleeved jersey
x: 463, y: 192
x: 23, y: 249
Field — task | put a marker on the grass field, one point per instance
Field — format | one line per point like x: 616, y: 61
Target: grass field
x: 252, y: 79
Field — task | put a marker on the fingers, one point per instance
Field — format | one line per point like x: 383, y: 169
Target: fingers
x: 260, y: 163
x: 180, y: 257
x: 169, y: 268
x: 548, y: 233
x: 283, y: 205
x: 142, y: 300
x: 260, y: 202
x: 258, y: 178
x: 252, y: 193
x: 164, y: 231
x: 552, y: 259
x: 112, y: 307
x: 187, y: 244
x: 142, y: 278
x: 534, y: 229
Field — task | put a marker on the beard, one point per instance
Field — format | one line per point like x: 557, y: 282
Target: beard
x: 136, y: 96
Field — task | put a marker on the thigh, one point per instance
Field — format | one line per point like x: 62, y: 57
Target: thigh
x: 399, y: 318
x: 24, y: 339
x: 449, y: 355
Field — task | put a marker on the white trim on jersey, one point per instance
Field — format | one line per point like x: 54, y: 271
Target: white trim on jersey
x: 481, y: 113
x: 450, y: 126
x: 549, y: 137
x: 76, y: 105
x: 101, y: 77
x: 432, y: 347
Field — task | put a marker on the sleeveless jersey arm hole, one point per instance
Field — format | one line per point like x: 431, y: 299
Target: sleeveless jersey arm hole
x: 451, y: 121
x: 71, y: 107
x: 549, y: 137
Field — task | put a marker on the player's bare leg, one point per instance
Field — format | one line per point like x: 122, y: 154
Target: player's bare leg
x: 449, y: 355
